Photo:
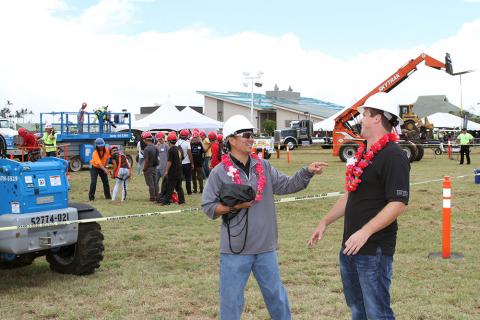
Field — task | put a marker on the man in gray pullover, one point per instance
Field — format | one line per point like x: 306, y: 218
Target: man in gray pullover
x: 248, y: 241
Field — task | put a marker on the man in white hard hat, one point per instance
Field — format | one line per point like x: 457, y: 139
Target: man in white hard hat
x: 248, y: 241
x: 377, y: 184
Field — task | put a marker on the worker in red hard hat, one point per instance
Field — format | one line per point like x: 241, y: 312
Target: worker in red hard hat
x: 81, y: 117
x: 162, y: 149
x: 29, y: 144
x: 150, y: 163
x: 215, y: 149
x: 207, y: 145
x: 198, y: 156
x: 220, y: 144
x: 172, y: 179
x: 187, y: 164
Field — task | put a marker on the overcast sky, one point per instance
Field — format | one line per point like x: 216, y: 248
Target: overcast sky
x: 56, y: 54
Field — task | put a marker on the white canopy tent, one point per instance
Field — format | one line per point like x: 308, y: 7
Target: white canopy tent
x: 447, y: 120
x: 327, y: 124
x: 165, y: 117
x: 192, y: 119
x: 168, y: 117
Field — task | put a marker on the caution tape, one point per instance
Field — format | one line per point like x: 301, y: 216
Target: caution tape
x: 161, y: 213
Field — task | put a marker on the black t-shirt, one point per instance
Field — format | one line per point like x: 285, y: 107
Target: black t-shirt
x: 385, y: 180
x: 197, y: 153
x: 176, y: 166
x: 150, y: 155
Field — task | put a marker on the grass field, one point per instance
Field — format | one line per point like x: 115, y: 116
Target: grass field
x: 167, y: 267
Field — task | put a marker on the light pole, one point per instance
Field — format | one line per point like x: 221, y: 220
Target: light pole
x: 254, y: 80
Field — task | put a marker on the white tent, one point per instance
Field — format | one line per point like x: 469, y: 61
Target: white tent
x: 165, y: 117
x: 168, y: 117
x: 192, y: 119
x: 447, y: 120
x: 327, y: 124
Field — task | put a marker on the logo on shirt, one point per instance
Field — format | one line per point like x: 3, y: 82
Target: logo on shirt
x: 402, y: 193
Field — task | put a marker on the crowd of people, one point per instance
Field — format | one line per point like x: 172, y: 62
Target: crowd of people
x: 187, y: 157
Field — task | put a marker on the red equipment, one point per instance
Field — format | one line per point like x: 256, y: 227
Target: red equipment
x: 212, y: 135
x: 346, y: 138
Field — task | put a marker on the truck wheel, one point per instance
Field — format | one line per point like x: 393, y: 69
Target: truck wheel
x: 438, y: 151
x: 420, y: 152
x: 75, y: 164
x: 21, y: 261
x: 347, y: 151
x: 83, y: 257
x: 291, y: 144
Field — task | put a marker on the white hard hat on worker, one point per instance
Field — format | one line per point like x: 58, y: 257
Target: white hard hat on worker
x: 236, y: 125
x: 386, y: 103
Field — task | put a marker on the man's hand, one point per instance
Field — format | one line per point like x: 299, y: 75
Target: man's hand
x: 355, y: 242
x: 317, y: 234
x: 243, y: 205
x: 317, y: 167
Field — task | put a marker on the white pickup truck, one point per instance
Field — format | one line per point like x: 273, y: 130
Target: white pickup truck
x: 268, y: 145
x: 7, y: 133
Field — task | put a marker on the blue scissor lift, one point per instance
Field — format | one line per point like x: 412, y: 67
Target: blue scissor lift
x: 78, y: 145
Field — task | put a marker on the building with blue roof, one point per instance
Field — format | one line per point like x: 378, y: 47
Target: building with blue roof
x: 281, y: 106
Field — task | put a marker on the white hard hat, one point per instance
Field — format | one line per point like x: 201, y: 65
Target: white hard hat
x: 235, y: 124
x: 48, y: 126
x: 386, y: 103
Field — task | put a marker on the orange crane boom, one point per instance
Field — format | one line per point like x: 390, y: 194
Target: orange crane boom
x: 345, y: 133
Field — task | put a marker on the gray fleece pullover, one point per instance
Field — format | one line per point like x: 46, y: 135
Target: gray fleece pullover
x: 262, y: 221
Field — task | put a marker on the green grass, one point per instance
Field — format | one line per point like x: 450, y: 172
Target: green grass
x: 166, y: 267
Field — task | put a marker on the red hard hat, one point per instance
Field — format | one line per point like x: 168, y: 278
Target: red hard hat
x: 203, y: 134
x: 220, y: 137
x: 184, y: 133
x: 195, y: 134
x: 22, y: 132
x: 212, y: 135
x: 111, y: 148
x: 159, y: 135
x: 172, y: 136
x: 146, y: 135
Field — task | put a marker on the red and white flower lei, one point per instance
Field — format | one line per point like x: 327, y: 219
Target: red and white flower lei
x: 356, y: 165
x: 233, y: 173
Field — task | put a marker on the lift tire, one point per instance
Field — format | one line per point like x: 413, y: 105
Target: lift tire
x: 420, y: 152
x: 83, y: 257
x: 75, y: 164
x: 438, y: 151
x: 410, y: 151
x: 347, y: 151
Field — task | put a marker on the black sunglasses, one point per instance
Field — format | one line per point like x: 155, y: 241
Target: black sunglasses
x: 246, y: 135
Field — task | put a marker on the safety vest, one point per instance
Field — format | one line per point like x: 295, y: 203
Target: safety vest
x: 119, y: 164
x: 50, y: 143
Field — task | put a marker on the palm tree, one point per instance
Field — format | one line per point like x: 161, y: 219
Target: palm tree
x: 5, y: 112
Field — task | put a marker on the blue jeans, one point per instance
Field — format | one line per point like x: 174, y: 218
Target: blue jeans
x: 366, y: 284
x: 235, y: 270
